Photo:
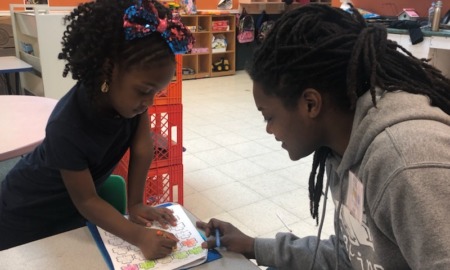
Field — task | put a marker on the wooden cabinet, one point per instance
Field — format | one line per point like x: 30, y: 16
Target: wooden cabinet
x: 200, y: 61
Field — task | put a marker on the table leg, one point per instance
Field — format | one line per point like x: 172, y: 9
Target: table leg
x: 18, y: 90
x: 8, y: 83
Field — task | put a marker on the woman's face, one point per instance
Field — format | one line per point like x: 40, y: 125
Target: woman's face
x: 132, y: 91
x: 296, y: 128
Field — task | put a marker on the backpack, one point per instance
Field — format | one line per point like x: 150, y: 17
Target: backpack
x: 246, y: 29
x: 264, y: 29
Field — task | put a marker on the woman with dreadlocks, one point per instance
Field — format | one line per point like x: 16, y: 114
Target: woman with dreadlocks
x: 377, y: 120
x: 121, y: 53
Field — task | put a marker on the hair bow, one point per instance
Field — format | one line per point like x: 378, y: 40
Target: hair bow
x: 141, y: 20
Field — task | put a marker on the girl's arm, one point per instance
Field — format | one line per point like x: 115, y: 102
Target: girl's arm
x: 141, y: 155
x: 80, y: 186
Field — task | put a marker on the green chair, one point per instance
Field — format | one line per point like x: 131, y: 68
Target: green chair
x: 114, y: 191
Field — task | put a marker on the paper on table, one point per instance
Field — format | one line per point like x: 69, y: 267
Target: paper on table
x: 125, y: 256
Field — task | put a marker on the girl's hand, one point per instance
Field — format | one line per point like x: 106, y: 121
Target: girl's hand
x: 231, y: 237
x: 145, y: 215
x: 156, y: 244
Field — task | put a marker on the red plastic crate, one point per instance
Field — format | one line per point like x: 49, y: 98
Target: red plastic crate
x: 164, y: 184
x: 172, y: 93
x: 166, y: 127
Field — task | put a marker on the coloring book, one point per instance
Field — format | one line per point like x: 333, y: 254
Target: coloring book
x: 121, y: 255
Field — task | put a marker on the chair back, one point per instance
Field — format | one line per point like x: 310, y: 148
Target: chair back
x: 114, y: 191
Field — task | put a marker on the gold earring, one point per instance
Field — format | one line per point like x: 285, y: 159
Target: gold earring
x: 105, y: 87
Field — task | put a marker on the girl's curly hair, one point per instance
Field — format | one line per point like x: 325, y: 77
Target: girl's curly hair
x: 94, y: 41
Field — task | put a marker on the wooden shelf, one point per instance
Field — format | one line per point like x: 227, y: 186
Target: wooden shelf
x: 201, y: 62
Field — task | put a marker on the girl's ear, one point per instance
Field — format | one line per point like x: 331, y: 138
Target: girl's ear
x: 311, y: 101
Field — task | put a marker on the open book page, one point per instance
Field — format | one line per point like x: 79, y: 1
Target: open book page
x: 189, y: 252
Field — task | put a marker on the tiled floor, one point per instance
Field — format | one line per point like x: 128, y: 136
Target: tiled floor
x: 234, y: 170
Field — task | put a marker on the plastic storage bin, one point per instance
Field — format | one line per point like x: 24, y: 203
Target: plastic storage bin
x: 164, y: 184
x: 165, y: 125
x: 172, y: 94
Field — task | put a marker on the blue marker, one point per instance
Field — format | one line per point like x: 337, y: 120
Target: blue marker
x: 218, y: 238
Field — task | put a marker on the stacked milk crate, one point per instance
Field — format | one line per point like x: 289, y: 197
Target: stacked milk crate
x: 165, y: 176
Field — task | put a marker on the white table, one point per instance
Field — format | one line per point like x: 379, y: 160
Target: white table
x: 12, y: 64
x: 76, y: 249
x: 22, y: 123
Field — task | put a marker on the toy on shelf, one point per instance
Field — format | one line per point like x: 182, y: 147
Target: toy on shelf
x: 221, y: 65
x: 219, y: 43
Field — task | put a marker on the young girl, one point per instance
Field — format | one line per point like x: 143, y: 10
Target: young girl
x: 121, y: 54
x: 378, y: 121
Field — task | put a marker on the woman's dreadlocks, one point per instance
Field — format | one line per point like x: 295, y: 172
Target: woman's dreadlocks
x: 337, y: 53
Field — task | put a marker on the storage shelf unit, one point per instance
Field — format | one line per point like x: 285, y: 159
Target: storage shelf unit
x: 41, y: 27
x: 202, y: 57
x: 274, y: 6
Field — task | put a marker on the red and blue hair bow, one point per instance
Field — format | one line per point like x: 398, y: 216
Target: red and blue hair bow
x: 142, y: 19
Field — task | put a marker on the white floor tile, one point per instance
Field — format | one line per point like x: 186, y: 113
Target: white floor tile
x: 201, y: 207
x: 208, y: 130
x: 272, y: 161
x: 187, y: 188
x: 218, y: 156
x: 199, y: 144
x: 269, y: 184
x: 261, y: 217
x: 192, y: 163
x: 253, y: 133
x: 299, y: 173
x: 270, y: 142
x: 225, y: 216
x: 295, y: 202
x: 241, y: 169
x: 217, y: 117
x: 190, y: 134
x: 232, y: 195
x: 207, y: 178
x: 228, y: 138
x: 249, y: 149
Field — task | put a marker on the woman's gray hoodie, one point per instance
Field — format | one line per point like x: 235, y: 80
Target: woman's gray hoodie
x: 400, y: 151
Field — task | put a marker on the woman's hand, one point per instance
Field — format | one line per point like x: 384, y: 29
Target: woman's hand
x: 156, y: 244
x: 145, y: 215
x: 231, y: 237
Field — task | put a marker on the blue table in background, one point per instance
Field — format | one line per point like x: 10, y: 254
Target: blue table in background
x: 12, y: 64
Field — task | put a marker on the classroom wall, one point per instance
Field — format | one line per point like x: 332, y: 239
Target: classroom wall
x: 336, y: 3
x: 212, y: 4
x: 4, y: 4
x: 64, y: 3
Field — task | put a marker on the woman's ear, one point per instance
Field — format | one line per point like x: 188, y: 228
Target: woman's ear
x: 311, y: 101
